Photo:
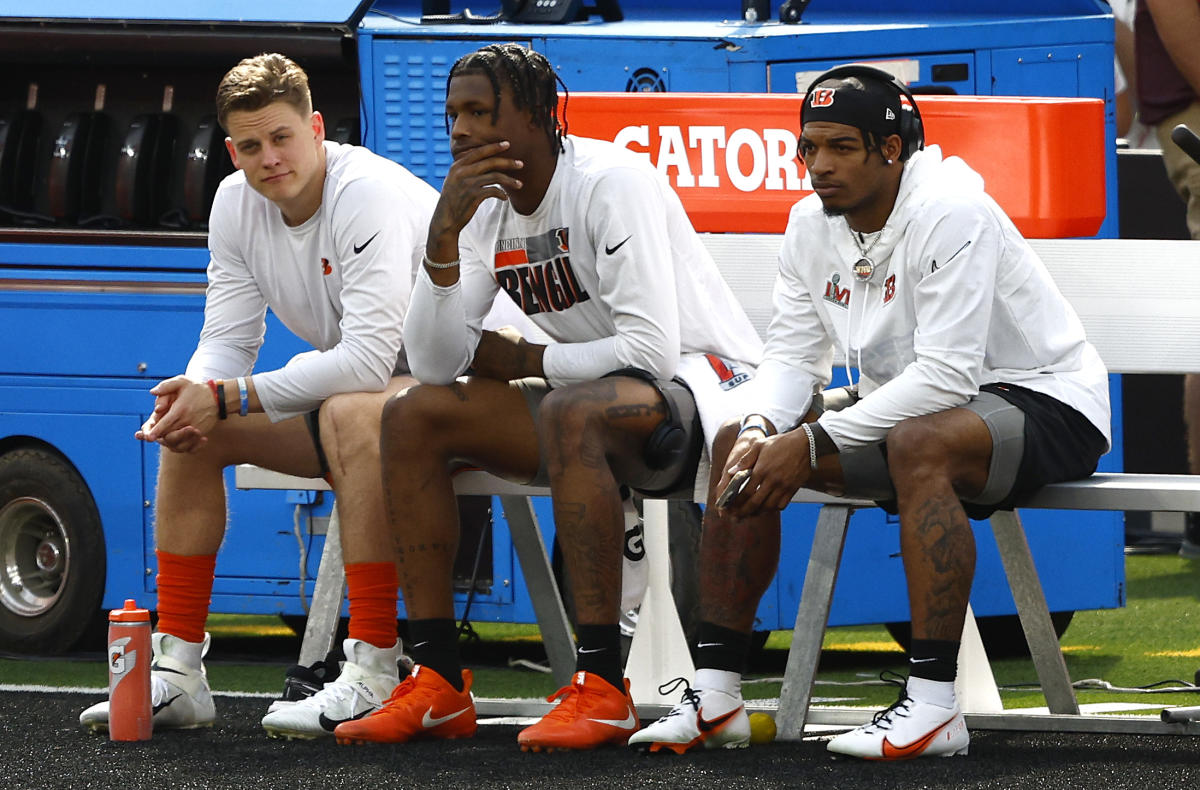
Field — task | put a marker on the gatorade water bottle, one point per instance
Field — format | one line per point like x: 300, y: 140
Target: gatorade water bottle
x: 129, y: 713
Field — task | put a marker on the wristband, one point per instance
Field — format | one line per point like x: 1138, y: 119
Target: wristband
x: 432, y: 265
x: 753, y: 422
x: 812, y: 445
x: 212, y: 386
x: 243, y: 397
x: 221, y: 413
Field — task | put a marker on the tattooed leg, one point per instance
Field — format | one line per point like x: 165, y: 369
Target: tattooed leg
x: 738, y: 556
x: 424, y: 430
x: 934, y: 461
x: 583, y: 426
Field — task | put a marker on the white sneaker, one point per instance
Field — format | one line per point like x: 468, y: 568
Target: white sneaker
x: 712, y: 718
x: 179, y: 693
x: 366, y: 680
x: 909, y: 728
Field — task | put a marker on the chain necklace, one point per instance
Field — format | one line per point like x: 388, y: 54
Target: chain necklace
x: 864, y: 267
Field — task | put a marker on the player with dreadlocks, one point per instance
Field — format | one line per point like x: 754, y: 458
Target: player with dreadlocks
x: 647, y: 345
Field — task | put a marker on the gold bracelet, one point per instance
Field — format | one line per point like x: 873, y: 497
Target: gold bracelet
x: 432, y: 265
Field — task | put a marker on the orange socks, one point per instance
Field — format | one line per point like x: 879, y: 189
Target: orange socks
x: 184, y: 594
x: 371, y: 587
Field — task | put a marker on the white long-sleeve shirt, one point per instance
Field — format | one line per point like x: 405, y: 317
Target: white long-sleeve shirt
x: 958, y: 300
x: 341, y: 281
x: 608, y: 266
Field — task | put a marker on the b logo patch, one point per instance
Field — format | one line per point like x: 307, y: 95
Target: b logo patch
x: 822, y: 97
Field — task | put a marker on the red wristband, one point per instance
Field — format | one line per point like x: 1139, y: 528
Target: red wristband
x: 212, y: 385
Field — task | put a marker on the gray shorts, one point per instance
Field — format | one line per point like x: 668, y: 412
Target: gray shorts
x: 641, y: 474
x: 1035, y: 440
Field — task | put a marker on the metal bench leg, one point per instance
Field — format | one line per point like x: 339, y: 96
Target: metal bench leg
x: 328, y: 592
x: 1035, y: 615
x: 543, y: 590
x: 813, y: 614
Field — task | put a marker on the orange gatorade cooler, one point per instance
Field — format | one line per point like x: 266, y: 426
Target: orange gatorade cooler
x: 129, y: 713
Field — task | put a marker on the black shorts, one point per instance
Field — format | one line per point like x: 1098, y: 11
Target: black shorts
x: 1053, y: 443
x: 1060, y: 444
x: 313, y: 421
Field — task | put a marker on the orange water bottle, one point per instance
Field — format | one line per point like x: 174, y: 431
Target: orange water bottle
x: 129, y: 713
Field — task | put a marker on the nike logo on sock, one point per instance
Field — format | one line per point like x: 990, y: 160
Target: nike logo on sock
x: 591, y: 650
x: 329, y: 724
x: 610, y: 250
x: 709, y: 644
x: 358, y: 249
x: 428, y: 721
x: 920, y: 660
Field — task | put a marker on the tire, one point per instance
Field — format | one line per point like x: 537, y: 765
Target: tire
x: 52, y: 554
x: 1002, y: 635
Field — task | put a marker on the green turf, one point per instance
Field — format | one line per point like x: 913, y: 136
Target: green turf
x: 1154, y: 638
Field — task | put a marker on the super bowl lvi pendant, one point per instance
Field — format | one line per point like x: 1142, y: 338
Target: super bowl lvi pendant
x: 863, y: 269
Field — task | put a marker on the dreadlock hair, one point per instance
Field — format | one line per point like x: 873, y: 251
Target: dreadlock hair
x: 529, y: 76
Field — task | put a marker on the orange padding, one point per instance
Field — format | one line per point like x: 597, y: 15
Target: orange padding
x: 731, y: 156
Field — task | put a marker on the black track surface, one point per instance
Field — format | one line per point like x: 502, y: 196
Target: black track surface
x: 42, y: 746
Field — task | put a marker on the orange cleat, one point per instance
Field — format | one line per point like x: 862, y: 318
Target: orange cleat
x: 423, y: 706
x: 591, y: 713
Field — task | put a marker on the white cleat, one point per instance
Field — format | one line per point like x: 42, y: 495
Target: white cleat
x: 364, y: 684
x: 909, y: 728
x: 179, y: 693
x: 708, y: 718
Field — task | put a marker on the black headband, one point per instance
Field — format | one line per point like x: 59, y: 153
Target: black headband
x: 871, y: 108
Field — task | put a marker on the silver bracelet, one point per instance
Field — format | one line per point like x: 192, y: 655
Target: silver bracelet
x: 812, y: 445
x: 432, y: 265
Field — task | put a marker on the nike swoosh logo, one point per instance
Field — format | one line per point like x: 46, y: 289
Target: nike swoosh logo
x: 708, y: 725
x: 165, y: 704
x: 591, y: 650
x: 358, y: 249
x: 920, y: 660
x: 709, y: 644
x: 914, y: 749
x: 629, y: 721
x: 428, y: 721
x: 329, y: 724
x: 610, y: 250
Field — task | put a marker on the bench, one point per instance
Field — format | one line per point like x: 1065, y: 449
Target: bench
x: 1140, y: 304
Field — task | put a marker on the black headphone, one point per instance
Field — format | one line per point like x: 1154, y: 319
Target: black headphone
x: 911, y: 127
x: 668, y: 442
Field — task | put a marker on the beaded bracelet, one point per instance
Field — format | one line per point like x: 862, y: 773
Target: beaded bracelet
x: 432, y: 265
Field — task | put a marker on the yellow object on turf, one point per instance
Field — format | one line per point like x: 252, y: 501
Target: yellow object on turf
x: 762, y: 728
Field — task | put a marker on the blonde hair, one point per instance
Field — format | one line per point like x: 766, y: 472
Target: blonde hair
x: 261, y: 80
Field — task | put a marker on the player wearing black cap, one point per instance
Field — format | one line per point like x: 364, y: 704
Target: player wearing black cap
x: 974, y: 386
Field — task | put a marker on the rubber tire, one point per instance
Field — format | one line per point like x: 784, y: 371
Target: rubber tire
x: 45, y: 476
x: 1002, y: 635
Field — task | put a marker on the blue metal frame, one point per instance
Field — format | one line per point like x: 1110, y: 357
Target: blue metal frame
x: 77, y: 364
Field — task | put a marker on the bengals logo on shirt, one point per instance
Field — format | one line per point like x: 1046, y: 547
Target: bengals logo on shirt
x: 536, y: 272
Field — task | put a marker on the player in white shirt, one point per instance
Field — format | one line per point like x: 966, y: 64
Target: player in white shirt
x: 328, y: 237
x: 648, y: 347
x: 975, y: 387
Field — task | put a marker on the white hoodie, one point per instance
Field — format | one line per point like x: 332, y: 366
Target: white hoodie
x: 958, y: 300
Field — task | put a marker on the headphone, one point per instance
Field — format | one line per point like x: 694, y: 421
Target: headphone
x: 668, y: 442
x: 911, y: 127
